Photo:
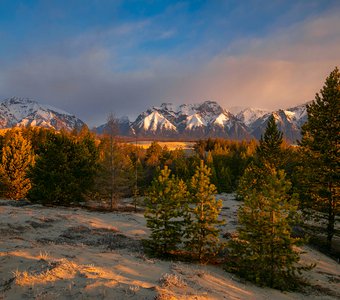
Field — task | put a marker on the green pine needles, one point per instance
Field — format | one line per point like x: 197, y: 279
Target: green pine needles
x: 202, y: 232
x: 165, y: 214
x: 264, y: 251
x: 183, y: 220
x: 320, y: 146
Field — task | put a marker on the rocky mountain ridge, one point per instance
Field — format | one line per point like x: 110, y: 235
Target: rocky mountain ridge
x: 167, y: 121
x: 26, y: 112
x: 209, y: 119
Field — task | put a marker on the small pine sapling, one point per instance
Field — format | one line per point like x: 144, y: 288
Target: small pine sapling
x: 202, y: 232
x: 165, y: 213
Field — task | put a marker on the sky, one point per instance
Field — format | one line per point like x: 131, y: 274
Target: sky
x: 93, y: 57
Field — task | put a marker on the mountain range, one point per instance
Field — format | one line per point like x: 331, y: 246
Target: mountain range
x: 209, y: 119
x: 168, y: 121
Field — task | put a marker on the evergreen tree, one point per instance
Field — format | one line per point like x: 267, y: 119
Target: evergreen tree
x: 214, y: 178
x: 65, y: 171
x: 264, y: 251
x: 320, y: 145
x: 268, y: 152
x: 202, y: 232
x: 269, y: 148
x: 165, y: 213
x: 109, y: 166
x: 17, y: 157
x: 115, y: 174
x: 225, y: 179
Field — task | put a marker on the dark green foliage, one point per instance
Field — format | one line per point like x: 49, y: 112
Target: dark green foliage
x: 320, y: 147
x: 38, y: 137
x: 179, y: 218
x: 263, y: 251
x: 227, y: 159
x: 166, y: 209
x: 65, y: 171
x: 202, y: 233
x: 269, y: 149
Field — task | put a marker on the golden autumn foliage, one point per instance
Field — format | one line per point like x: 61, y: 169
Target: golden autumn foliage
x: 16, y: 158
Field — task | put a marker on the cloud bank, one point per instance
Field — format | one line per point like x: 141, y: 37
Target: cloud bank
x: 284, y: 67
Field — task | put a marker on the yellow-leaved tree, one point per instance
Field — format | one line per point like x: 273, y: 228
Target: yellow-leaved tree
x: 17, y: 156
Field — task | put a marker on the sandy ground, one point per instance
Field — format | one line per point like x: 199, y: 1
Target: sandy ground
x: 65, y: 253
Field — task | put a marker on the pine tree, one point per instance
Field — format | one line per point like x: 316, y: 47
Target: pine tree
x: 225, y: 180
x: 112, y: 130
x: 264, y: 251
x: 165, y: 213
x: 116, y: 172
x: 202, y: 232
x: 17, y: 157
x: 320, y: 145
x: 269, y: 148
x: 65, y: 171
x: 268, y: 152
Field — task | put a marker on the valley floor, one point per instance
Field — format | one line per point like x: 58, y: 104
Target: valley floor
x: 67, y: 253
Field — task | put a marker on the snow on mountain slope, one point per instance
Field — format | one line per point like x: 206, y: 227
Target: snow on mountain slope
x: 194, y: 121
x: 155, y: 121
x: 221, y: 120
x: 289, y: 121
x: 249, y: 115
x: 25, y: 112
x: 298, y: 114
x: 209, y: 119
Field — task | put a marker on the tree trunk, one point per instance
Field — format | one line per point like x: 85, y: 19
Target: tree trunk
x: 330, y: 219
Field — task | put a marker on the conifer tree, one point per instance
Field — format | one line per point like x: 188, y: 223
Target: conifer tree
x: 112, y: 130
x: 213, y: 174
x: 320, y: 145
x: 165, y: 213
x: 65, y: 171
x: 264, y: 251
x: 202, y: 232
x: 269, y: 148
x: 17, y: 157
x: 268, y: 152
x: 225, y: 180
x: 115, y: 174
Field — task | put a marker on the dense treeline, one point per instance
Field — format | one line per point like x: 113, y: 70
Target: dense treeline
x: 279, y: 186
x: 70, y: 167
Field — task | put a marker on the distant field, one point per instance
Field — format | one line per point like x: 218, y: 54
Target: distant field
x: 170, y: 145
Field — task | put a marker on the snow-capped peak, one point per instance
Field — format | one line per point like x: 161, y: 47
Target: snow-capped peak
x: 24, y: 111
x: 155, y: 121
x: 249, y: 115
x: 221, y: 120
x: 194, y: 121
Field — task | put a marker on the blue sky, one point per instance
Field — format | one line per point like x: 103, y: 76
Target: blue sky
x: 93, y: 57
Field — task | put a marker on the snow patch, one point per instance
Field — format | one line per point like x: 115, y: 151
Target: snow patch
x: 195, y: 121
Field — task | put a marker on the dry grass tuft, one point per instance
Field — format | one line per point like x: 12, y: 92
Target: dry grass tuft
x: 46, y: 272
x: 168, y: 280
x: 43, y: 255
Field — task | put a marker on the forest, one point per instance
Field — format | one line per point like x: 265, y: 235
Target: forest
x: 289, y: 195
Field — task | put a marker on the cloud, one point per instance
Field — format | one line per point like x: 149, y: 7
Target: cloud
x: 281, y: 69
